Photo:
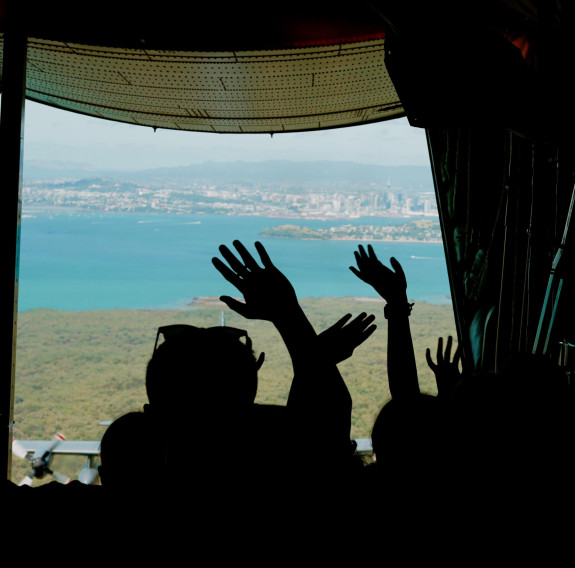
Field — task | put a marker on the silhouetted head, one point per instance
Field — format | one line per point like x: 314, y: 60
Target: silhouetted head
x: 408, y: 443
x: 132, y: 453
x: 408, y: 428
x: 195, y: 368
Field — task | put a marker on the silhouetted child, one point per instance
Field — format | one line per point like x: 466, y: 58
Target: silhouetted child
x: 407, y: 435
x: 132, y: 455
x: 201, y: 385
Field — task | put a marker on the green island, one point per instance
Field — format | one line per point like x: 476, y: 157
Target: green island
x: 76, y: 369
x: 421, y: 230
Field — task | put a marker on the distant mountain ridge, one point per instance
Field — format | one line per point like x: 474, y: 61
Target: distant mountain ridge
x: 271, y: 171
x: 46, y: 169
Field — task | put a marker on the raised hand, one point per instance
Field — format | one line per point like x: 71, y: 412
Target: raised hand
x: 339, y: 341
x: 268, y: 294
x: 318, y: 397
x: 447, y: 374
x: 390, y: 285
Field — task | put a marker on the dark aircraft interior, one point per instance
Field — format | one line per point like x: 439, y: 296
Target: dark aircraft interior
x: 489, y: 82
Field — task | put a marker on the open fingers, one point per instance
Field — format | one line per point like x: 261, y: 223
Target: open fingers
x: 430, y: 362
x: 361, y: 257
x: 397, y: 267
x: 439, y: 350
x: 361, y: 327
x: 361, y: 251
x: 228, y: 274
x: 362, y: 320
x: 371, y: 253
x: 232, y: 260
x: 368, y: 331
x: 447, y: 356
x: 340, y: 322
x: 357, y: 272
x: 264, y: 256
x: 248, y: 259
x: 429, y: 359
x: 367, y: 319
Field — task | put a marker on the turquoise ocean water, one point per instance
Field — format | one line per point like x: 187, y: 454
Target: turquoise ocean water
x: 84, y: 261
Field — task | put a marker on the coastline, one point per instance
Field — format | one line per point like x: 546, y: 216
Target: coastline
x: 155, y: 265
x: 413, y: 232
x: 30, y: 209
x: 363, y: 239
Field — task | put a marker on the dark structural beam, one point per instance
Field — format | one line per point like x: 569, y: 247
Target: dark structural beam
x: 11, y: 159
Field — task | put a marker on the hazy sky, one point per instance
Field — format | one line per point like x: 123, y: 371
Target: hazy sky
x: 52, y: 134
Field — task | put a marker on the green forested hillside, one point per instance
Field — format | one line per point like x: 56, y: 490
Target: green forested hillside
x: 75, y: 369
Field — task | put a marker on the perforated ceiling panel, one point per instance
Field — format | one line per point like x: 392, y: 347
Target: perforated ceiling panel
x: 270, y: 91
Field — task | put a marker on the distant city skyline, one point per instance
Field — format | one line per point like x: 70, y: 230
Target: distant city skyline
x: 52, y: 134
